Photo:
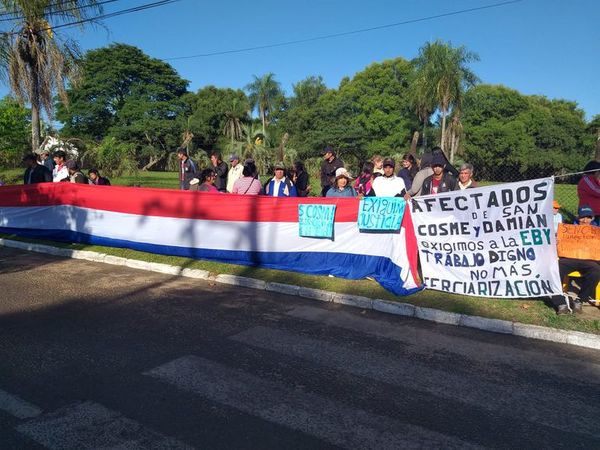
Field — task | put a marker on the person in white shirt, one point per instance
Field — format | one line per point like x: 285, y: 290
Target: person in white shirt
x: 235, y: 171
x: 388, y: 184
x: 60, y: 171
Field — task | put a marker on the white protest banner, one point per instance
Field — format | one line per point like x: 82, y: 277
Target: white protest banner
x: 316, y: 220
x: 495, y: 241
x: 381, y: 213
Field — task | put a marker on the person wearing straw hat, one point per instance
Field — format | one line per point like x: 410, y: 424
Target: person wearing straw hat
x: 341, y: 186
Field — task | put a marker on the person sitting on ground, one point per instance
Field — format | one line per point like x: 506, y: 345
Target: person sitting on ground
x: 220, y: 168
x: 95, y: 178
x: 465, y: 177
x: 235, y: 171
x: 60, y: 171
x: 377, y: 161
x: 248, y: 184
x: 75, y: 175
x: 588, y: 269
x: 207, y: 181
x: 588, y: 188
x: 409, y: 170
x: 328, y: 167
x: 280, y: 185
x: 440, y: 181
x: 341, y: 186
x: 301, y: 179
x: 585, y: 216
x: 388, y: 184
x: 364, y: 182
x: 35, y: 173
x: 557, y: 216
x: 187, y: 169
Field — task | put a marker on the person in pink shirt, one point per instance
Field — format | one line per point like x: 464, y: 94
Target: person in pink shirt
x: 248, y: 183
x: 207, y: 181
x: 588, y: 188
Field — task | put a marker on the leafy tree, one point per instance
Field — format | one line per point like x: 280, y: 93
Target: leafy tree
x: 593, y: 136
x: 264, y: 94
x: 308, y: 91
x: 217, y: 112
x: 443, y: 76
x: 126, y: 94
x: 14, y: 131
x: 34, y: 59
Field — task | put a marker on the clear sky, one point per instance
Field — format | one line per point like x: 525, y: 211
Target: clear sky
x: 548, y: 47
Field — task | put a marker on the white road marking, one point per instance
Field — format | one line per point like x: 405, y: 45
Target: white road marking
x: 17, y: 407
x: 537, y: 405
x: 329, y: 420
x: 91, y: 426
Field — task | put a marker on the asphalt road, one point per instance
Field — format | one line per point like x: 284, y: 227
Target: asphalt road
x: 99, y: 356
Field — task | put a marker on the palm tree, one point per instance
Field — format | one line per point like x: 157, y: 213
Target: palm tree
x: 263, y: 92
x: 235, y: 115
x: 445, y: 76
x: 34, y: 61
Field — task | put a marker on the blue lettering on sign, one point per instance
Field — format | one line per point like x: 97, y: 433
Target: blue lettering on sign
x: 316, y: 220
x: 381, y: 213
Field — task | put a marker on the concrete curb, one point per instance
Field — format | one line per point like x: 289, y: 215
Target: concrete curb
x: 576, y: 338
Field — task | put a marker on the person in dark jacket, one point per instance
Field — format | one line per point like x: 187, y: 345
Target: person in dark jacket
x: 440, y: 181
x: 35, y: 173
x: 95, y: 178
x: 328, y: 167
x: 221, y: 169
x: 301, y: 179
x: 187, y: 169
x: 75, y: 175
x: 409, y: 170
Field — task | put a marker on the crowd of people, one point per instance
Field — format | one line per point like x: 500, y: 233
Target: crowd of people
x: 432, y: 174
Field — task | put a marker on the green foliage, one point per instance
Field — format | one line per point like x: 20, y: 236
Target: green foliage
x: 266, y: 96
x: 510, y: 136
x: 127, y: 95
x: 15, y: 129
x: 113, y: 157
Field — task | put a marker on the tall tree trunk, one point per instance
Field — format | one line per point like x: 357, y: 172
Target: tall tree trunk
x: 424, y: 147
x: 35, y: 120
x: 262, y: 116
x: 413, y: 144
x: 443, y: 142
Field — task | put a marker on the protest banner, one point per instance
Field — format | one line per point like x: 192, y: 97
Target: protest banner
x: 578, y: 241
x: 381, y: 213
x: 316, y: 220
x: 236, y: 229
x: 495, y: 241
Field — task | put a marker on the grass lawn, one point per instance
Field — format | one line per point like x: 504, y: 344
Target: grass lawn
x: 531, y: 311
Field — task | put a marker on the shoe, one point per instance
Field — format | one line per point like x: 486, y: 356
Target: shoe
x: 562, y: 309
x: 576, y: 306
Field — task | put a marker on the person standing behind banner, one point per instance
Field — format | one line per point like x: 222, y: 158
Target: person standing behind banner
x: 248, y: 184
x: 46, y: 160
x: 465, y: 177
x: 280, y: 185
x: 60, y: 172
x: 588, y: 188
x: 364, y: 182
x: 417, y: 182
x: 35, y: 173
x: 440, y: 181
x: 341, y: 186
x: 409, y: 170
x: 95, y: 178
x: 220, y: 168
x: 207, y: 181
x: 187, y: 169
x: 235, y: 171
x: 388, y: 184
x: 301, y: 179
x: 328, y: 167
x: 75, y: 174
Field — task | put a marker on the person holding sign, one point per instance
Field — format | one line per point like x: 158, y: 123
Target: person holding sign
x: 341, y: 186
x: 440, y: 181
x: 388, y: 185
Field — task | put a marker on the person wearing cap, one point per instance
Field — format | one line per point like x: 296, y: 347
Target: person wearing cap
x: 589, y: 270
x: 341, y: 186
x: 60, y: 171
x: 557, y: 217
x: 235, y: 171
x: 280, y: 185
x: 328, y: 167
x: 388, y: 184
x: 440, y: 181
x: 34, y: 172
x: 75, y: 175
x: 187, y: 169
x: 588, y: 188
